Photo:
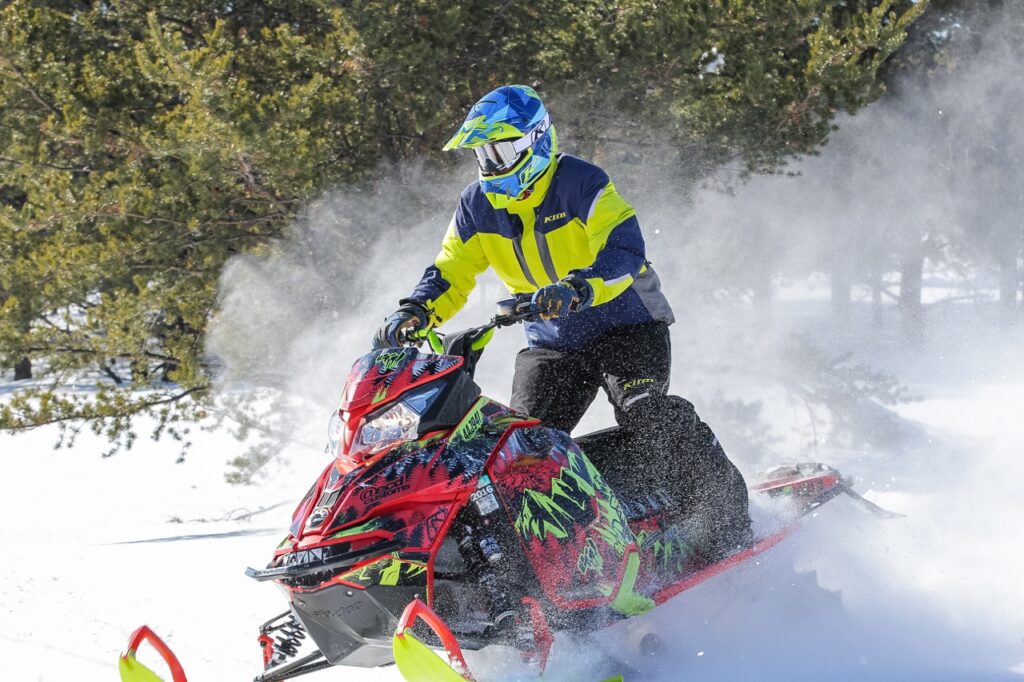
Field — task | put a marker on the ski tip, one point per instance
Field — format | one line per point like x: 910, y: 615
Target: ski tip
x: 133, y: 671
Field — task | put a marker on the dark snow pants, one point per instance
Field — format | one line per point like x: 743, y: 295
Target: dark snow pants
x: 660, y: 443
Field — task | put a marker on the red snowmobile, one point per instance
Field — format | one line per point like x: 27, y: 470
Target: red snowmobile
x: 446, y: 520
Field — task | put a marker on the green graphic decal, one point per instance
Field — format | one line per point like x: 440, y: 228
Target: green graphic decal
x: 365, y: 575
x: 477, y: 131
x: 389, y: 360
x: 590, y: 558
x: 372, y: 524
x: 471, y: 423
x: 568, y: 505
x: 614, y: 528
x: 390, y: 571
x: 668, y: 548
x: 541, y: 516
x: 627, y: 601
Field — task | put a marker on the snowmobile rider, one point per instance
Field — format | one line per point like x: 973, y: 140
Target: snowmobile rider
x: 554, y: 228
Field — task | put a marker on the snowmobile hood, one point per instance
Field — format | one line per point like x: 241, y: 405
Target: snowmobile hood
x: 384, y: 375
x: 405, y: 491
x: 402, y: 476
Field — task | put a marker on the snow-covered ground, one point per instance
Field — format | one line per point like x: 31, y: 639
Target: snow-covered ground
x: 95, y: 547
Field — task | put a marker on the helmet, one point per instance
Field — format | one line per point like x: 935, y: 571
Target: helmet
x: 514, y: 141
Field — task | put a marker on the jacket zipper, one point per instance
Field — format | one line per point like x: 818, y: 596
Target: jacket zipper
x: 517, y: 246
x: 545, y: 255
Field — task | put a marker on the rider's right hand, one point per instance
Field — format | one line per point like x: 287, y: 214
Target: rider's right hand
x: 410, y: 317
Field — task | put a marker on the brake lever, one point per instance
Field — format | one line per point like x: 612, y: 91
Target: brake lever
x: 408, y: 337
x: 416, y: 337
x: 512, y: 312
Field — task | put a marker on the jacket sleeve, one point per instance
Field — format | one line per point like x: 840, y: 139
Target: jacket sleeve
x: 614, y: 236
x: 447, y: 283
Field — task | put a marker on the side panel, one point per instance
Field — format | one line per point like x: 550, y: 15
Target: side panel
x: 666, y: 554
x: 571, y: 525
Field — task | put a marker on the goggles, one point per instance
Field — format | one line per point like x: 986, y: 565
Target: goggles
x: 496, y: 158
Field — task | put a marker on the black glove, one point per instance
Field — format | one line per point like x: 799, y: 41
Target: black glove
x: 409, y: 318
x: 570, y: 295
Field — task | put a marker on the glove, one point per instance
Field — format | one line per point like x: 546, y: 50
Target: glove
x: 570, y: 295
x: 409, y: 318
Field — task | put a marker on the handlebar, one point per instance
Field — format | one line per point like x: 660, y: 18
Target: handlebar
x: 510, y: 312
x: 513, y: 311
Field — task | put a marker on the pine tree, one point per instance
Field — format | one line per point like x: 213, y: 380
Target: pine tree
x: 145, y: 144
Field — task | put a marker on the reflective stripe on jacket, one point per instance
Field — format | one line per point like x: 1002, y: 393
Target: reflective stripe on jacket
x: 574, y: 221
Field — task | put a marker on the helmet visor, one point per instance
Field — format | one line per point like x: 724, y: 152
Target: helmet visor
x: 495, y: 158
x: 499, y: 157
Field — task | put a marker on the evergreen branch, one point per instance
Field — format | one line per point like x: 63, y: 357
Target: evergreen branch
x: 146, y: 219
x: 28, y: 86
x: 69, y: 351
x: 112, y: 374
x: 130, y: 409
x: 73, y: 169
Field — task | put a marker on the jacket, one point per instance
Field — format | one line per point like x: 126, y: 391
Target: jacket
x: 573, y: 221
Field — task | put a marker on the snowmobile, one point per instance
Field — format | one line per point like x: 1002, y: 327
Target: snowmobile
x: 447, y: 521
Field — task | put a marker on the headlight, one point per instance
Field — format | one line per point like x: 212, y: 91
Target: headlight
x: 334, y: 430
x: 397, y: 424
x: 400, y: 423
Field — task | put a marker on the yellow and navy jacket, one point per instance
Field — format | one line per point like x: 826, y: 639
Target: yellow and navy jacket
x: 574, y: 221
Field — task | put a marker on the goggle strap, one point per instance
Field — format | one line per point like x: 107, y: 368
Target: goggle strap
x: 527, y: 140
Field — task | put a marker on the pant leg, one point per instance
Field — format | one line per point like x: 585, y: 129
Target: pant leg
x: 635, y: 364
x: 554, y: 386
x: 672, y: 448
x: 706, y: 485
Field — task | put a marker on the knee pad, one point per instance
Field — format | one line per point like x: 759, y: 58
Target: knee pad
x: 651, y: 410
x: 663, y: 414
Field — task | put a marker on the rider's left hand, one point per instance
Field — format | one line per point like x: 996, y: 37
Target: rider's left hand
x: 409, y: 318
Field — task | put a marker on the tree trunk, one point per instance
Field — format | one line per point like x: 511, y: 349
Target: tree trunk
x: 1009, y: 283
x: 763, y: 297
x: 763, y: 291
x: 876, y: 300
x: 23, y: 370
x: 911, y: 277
x: 842, y: 289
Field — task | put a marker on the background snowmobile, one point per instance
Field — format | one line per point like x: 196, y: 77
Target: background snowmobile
x: 447, y: 520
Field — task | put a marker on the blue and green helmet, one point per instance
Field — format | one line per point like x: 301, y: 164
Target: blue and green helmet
x: 511, y: 134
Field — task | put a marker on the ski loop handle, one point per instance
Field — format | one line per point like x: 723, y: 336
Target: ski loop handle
x: 417, y: 609
x: 145, y: 633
